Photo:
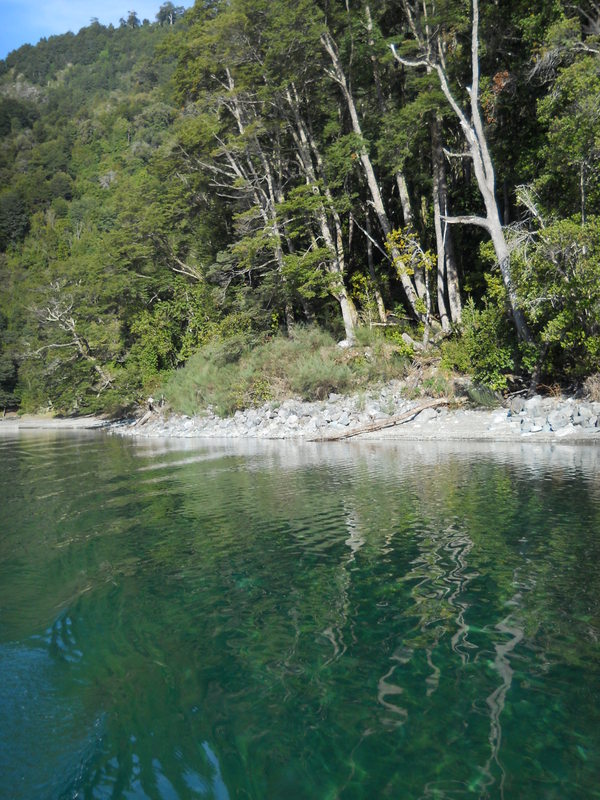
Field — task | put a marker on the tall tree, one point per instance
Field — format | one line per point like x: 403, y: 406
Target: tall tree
x: 338, y: 74
x: 475, y: 138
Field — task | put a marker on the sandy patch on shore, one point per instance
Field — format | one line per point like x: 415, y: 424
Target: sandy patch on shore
x: 13, y: 423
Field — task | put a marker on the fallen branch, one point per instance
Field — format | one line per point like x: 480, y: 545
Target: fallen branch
x: 143, y: 420
x: 384, y: 423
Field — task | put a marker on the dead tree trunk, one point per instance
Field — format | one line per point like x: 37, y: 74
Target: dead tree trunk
x: 265, y: 198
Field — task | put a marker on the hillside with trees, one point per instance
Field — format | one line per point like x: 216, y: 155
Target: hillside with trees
x: 233, y: 173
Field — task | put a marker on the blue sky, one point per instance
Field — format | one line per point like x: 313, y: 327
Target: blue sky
x: 27, y: 21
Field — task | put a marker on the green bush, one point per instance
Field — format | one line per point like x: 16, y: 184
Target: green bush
x: 486, y: 349
x: 235, y: 372
x: 314, y: 376
x: 558, y: 281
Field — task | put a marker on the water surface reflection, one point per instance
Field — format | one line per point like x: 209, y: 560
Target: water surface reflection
x: 263, y: 620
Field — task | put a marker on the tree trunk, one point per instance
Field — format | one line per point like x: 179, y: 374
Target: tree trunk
x: 265, y: 199
x: 440, y: 246
x: 419, y: 277
x: 450, y: 310
x: 378, y: 297
x: 304, y: 145
x: 376, y: 199
x: 483, y: 167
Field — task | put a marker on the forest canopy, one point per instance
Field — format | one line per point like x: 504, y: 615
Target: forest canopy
x: 245, y: 167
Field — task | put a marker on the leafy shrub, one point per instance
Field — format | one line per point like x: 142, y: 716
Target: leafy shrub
x: 487, y: 347
x: 455, y: 355
x: 235, y: 373
x: 558, y: 280
x: 315, y: 377
x: 483, y: 396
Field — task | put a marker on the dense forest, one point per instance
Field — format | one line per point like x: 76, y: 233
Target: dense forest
x: 244, y: 169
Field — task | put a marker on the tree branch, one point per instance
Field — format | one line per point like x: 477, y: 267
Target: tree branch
x: 410, y: 62
x: 450, y: 154
x: 481, y: 222
x: 371, y: 239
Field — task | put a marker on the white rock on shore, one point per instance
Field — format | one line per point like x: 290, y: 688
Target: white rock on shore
x: 539, y: 419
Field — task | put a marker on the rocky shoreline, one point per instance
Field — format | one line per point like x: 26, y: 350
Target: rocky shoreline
x: 539, y: 419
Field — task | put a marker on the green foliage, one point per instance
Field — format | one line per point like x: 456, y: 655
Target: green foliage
x: 363, y: 288
x: 235, y: 373
x: 314, y: 377
x: 198, y: 183
x: 486, y: 348
x: 8, y: 368
x: 455, y: 355
x: 437, y: 385
x: 403, y: 348
x: 406, y: 251
x: 571, y: 114
x: 558, y: 280
x: 13, y: 218
x: 484, y: 396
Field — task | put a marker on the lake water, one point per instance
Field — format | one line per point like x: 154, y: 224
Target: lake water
x: 277, y: 620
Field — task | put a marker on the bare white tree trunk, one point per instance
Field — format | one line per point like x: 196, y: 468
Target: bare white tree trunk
x: 265, y: 199
x: 419, y: 277
x: 338, y: 75
x: 59, y: 313
x: 370, y: 262
x: 447, y: 274
x: 440, y: 246
x: 306, y: 147
x: 480, y: 155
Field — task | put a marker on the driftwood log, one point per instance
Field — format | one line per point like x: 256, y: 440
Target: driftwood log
x: 383, y: 423
x: 143, y: 420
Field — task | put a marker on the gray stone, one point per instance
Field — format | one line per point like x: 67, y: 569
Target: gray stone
x: 558, y: 419
x: 517, y: 404
x: 426, y: 415
x: 534, y: 406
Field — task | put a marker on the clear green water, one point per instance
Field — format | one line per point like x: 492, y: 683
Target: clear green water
x: 312, y: 621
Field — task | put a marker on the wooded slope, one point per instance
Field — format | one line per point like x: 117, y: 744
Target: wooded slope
x: 253, y: 165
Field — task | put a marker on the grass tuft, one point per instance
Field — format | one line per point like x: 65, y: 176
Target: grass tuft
x: 235, y: 373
